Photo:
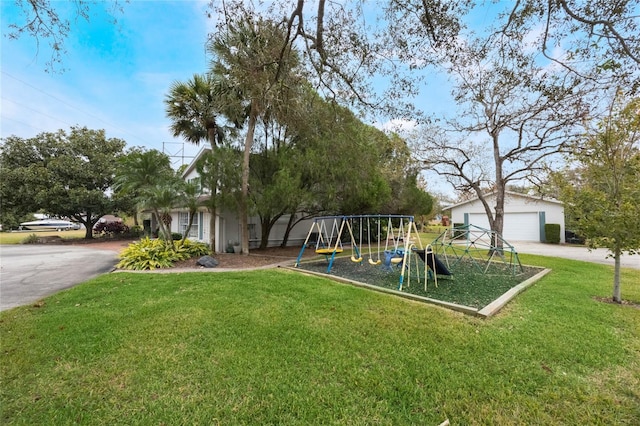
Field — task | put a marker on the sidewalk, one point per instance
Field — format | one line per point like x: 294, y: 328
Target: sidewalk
x: 575, y: 253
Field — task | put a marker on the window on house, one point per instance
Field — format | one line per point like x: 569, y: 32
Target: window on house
x: 253, y: 234
x: 184, y: 222
x: 197, y: 181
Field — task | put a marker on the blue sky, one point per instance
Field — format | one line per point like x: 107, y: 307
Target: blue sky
x: 116, y: 76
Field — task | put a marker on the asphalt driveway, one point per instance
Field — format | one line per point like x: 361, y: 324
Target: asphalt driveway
x: 575, y: 252
x: 30, y: 272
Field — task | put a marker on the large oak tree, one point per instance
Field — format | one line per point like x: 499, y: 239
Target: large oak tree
x: 64, y: 174
x: 515, y: 116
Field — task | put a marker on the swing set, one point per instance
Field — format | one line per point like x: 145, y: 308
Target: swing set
x: 393, y: 238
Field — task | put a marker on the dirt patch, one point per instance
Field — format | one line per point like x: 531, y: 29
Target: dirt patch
x: 623, y: 303
x: 255, y: 259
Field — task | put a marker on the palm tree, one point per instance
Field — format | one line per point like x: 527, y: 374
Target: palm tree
x: 255, y: 78
x: 193, y: 107
x: 139, y: 170
x: 161, y: 198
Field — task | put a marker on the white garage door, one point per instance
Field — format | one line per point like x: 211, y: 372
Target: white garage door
x: 517, y: 226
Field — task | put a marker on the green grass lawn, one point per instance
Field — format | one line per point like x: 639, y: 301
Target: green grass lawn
x: 18, y: 237
x: 278, y: 347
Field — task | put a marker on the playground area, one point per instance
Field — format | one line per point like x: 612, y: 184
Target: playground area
x: 471, y: 267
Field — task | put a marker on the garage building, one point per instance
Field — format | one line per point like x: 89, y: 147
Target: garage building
x: 524, y: 217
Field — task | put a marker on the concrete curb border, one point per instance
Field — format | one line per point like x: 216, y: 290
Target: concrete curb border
x: 495, y: 306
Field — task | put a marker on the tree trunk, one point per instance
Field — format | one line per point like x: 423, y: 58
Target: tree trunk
x: 211, y: 134
x: 617, y: 296
x: 189, y: 225
x: 244, y: 199
x: 498, y: 222
x: 212, y: 228
x: 161, y: 224
x: 265, y: 224
x: 88, y: 227
x: 166, y: 220
x: 285, y: 239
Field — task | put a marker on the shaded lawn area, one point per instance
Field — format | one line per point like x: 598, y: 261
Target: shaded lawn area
x: 467, y: 285
x: 277, y: 347
x: 18, y: 237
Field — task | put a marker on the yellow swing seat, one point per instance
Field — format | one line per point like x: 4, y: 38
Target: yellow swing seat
x: 375, y: 262
x: 326, y: 251
x: 356, y: 259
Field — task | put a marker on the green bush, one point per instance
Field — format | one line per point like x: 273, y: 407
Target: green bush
x: 459, y: 229
x: 175, y: 236
x: 110, y: 229
x: 192, y: 248
x: 136, y: 231
x: 153, y: 254
x: 552, y: 233
x: 30, y: 239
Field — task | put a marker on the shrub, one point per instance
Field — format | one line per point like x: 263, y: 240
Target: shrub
x: 154, y: 254
x: 30, y: 239
x: 175, y: 236
x: 193, y: 248
x: 110, y: 229
x: 459, y: 229
x: 552, y: 233
x: 136, y: 231
x: 147, y: 254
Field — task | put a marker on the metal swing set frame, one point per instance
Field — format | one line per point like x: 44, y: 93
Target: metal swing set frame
x: 406, y: 243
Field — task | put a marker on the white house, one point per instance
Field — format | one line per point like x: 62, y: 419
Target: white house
x: 524, y: 216
x: 227, y: 224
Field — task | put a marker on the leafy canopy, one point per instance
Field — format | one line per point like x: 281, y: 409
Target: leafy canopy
x: 64, y: 174
x: 604, y: 198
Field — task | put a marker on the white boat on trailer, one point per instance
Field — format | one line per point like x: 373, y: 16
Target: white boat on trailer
x: 49, y: 225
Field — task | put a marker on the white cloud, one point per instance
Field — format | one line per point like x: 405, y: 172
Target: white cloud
x: 397, y: 125
x: 531, y: 40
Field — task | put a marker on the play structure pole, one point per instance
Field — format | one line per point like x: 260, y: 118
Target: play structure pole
x: 407, y: 243
x: 306, y: 241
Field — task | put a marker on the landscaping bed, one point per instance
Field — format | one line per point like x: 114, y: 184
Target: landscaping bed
x: 467, y: 285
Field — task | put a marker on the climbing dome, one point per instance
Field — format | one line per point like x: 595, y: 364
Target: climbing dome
x: 484, y: 249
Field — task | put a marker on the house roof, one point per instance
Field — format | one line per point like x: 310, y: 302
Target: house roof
x: 192, y: 165
x: 507, y: 193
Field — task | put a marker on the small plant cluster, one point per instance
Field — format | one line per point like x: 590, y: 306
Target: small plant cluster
x: 136, y: 231
x: 175, y: 236
x: 552, y: 233
x: 30, y: 239
x: 153, y: 254
x: 110, y: 229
